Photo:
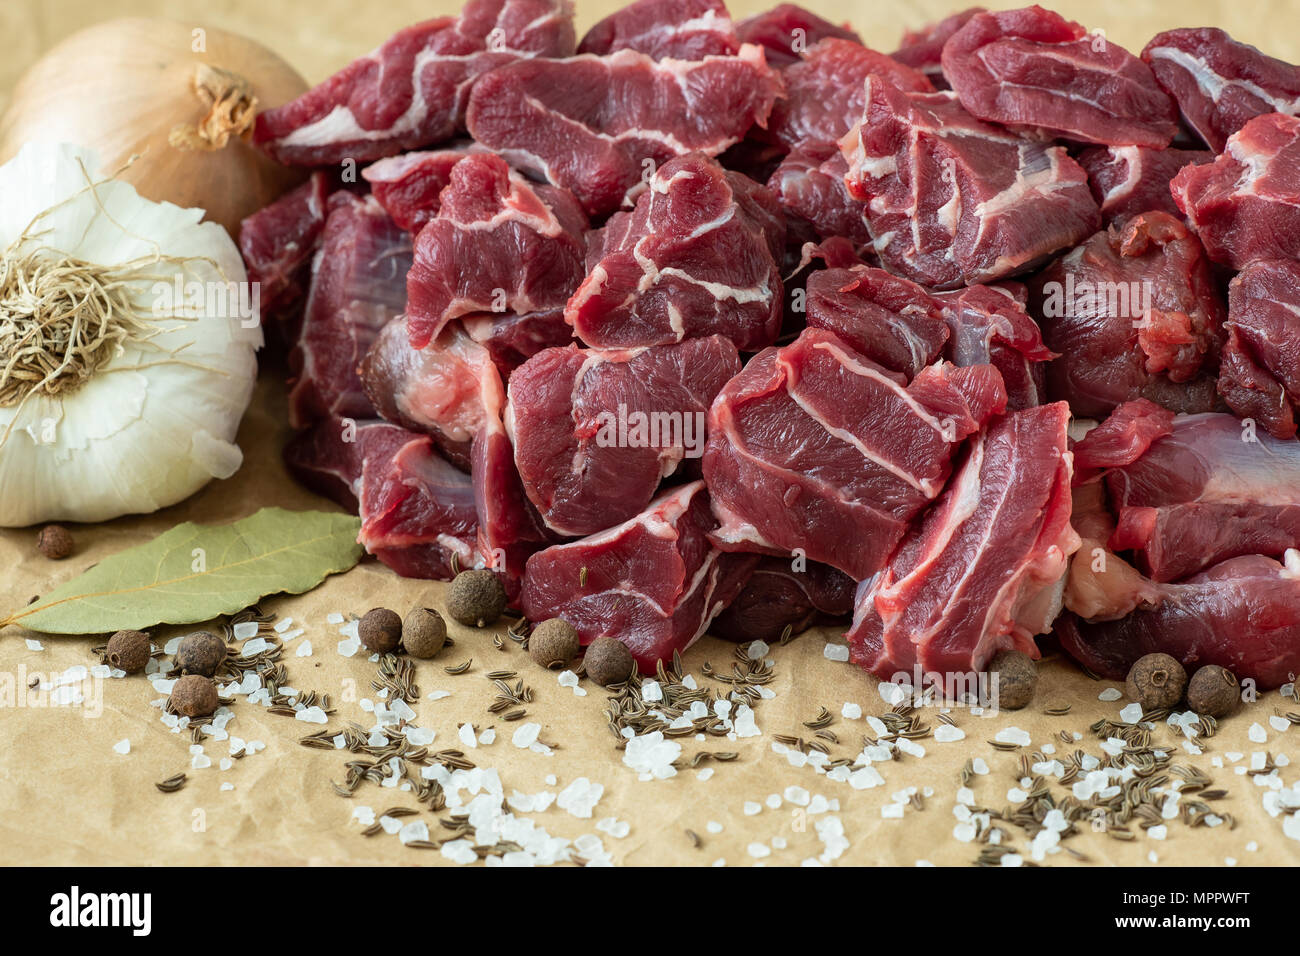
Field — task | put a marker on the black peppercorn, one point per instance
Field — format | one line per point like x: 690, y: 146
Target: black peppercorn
x: 554, y: 642
x: 200, y: 653
x: 194, y: 696
x: 476, y: 598
x: 1213, y: 691
x: 128, y: 651
x: 55, y: 542
x: 380, y: 630
x: 607, y: 661
x: 1157, y: 682
x: 424, y: 632
x: 1014, y: 677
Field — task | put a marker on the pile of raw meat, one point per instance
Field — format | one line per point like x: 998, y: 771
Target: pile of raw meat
x: 700, y: 325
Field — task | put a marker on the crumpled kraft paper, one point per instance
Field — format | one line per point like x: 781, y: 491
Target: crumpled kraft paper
x: 69, y: 798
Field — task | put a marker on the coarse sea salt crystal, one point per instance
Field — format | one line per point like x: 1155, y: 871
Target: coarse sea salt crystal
x: 349, y: 648
x: 979, y: 766
x: 651, y: 755
x: 200, y: 761
x: 488, y: 736
x: 1012, y: 735
x: 752, y: 807
x: 437, y: 694
x: 334, y: 617
x: 851, y: 711
x: 1109, y: 694
x: 891, y: 694
x: 123, y: 746
x: 415, y: 830
x: 1131, y: 714
x: 713, y: 826
x: 420, y: 736
x: 798, y: 796
x: 758, y: 850
x: 1257, y: 734
x: 614, y: 827
x: 1279, y: 724
x: 244, y: 630
x: 910, y: 747
x: 704, y: 773
x: 947, y: 733
x: 526, y: 735
x: 304, y: 649
x: 312, y: 715
x: 580, y: 797
x: 892, y: 811
x: 34, y: 645
x: 459, y: 851
x: 757, y: 650
x: 835, y: 652
x: 469, y: 738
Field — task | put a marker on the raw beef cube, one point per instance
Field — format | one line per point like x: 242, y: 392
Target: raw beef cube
x: 279, y: 241
x: 1243, y: 614
x: 984, y: 571
x: 809, y: 185
x: 1134, y: 312
x: 358, y: 286
x: 452, y: 389
x: 328, y: 456
x: 653, y: 582
x: 1033, y: 70
x: 923, y: 49
x: 498, y: 244
x: 413, y: 90
x: 598, y: 124
x: 1246, y: 204
x: 595, y: 431
x: 1206, y: 493
x: 816, y: 448
x: 408, y: 186
x: 1260, y: 375
x: 825, y: 91
x: 418, y: 513
x: 699, y: 255
x: 512, y: 340
x: 990, y: 326
x: 953, y: 200
x: 787, y: 31
x: 776, y: 597
x: 887, y: 319
x: 676, y: 29
x: 441, y: 389
x: 1220, y: 83
x: 1121, y: 439
x: 1127, y: 180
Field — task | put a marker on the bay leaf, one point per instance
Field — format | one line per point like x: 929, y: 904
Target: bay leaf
x: 195, y: 573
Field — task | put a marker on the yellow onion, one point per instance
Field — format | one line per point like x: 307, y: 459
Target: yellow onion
x: 181, y: 98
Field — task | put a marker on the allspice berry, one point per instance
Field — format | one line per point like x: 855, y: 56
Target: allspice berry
x: 380, y: 630
x: 476, y: 598
x: 1157, y: 681
x: 200, y: 653
x: 424, y: 633
x: 194, y: 696
x: 1014, y: 678
x: 129, y: 651
x: 55, y: 542
x: 1213, y: 691
x: 554, y: 642
x: 607, y: 662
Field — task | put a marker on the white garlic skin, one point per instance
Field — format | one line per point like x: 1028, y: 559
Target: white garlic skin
x: 157, y: 421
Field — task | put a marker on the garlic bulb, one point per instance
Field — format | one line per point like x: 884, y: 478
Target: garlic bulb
x: 128, y: 335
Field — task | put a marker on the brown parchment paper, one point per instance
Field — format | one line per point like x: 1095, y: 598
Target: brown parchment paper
x: 67, y: 798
